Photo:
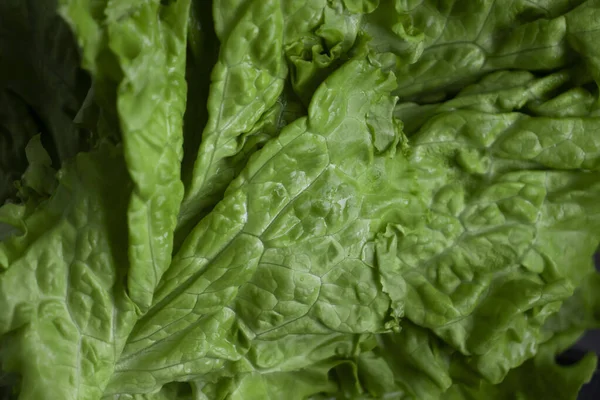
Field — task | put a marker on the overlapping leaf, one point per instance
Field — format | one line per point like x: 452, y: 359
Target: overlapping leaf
x: 333, y: 241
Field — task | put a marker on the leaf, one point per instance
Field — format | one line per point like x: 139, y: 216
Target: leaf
x: 542, y: 376
x: 65, y: 313
x: 438, y: 47
x: 492, y: 252
x: 39, y: 177
x: 219, y: 284
x: 383, y: 199
x: 151, y: 131
x: 319, y: 37
x: 246, y: 81
x: 506, y: 91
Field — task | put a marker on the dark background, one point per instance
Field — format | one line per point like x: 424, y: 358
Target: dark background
x: 589, y: 342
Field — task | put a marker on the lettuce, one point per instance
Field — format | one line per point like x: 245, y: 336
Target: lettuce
x: 341, y: 199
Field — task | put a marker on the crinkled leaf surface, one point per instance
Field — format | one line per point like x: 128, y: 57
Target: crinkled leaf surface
x: 145, y: 43
x: 246, y: 80
x: 65, y: 313
x: 227, y: 280
x: 349, y: 199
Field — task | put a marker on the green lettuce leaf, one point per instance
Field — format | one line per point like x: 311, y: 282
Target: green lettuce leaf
x: 227, y: 265
x: 64, y: 311
x: 75, y: 305
x: 147, y: 46
x: 542, y: 376
x: 438, y: 47
x: 247, y: 79
x: 341, y: 199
